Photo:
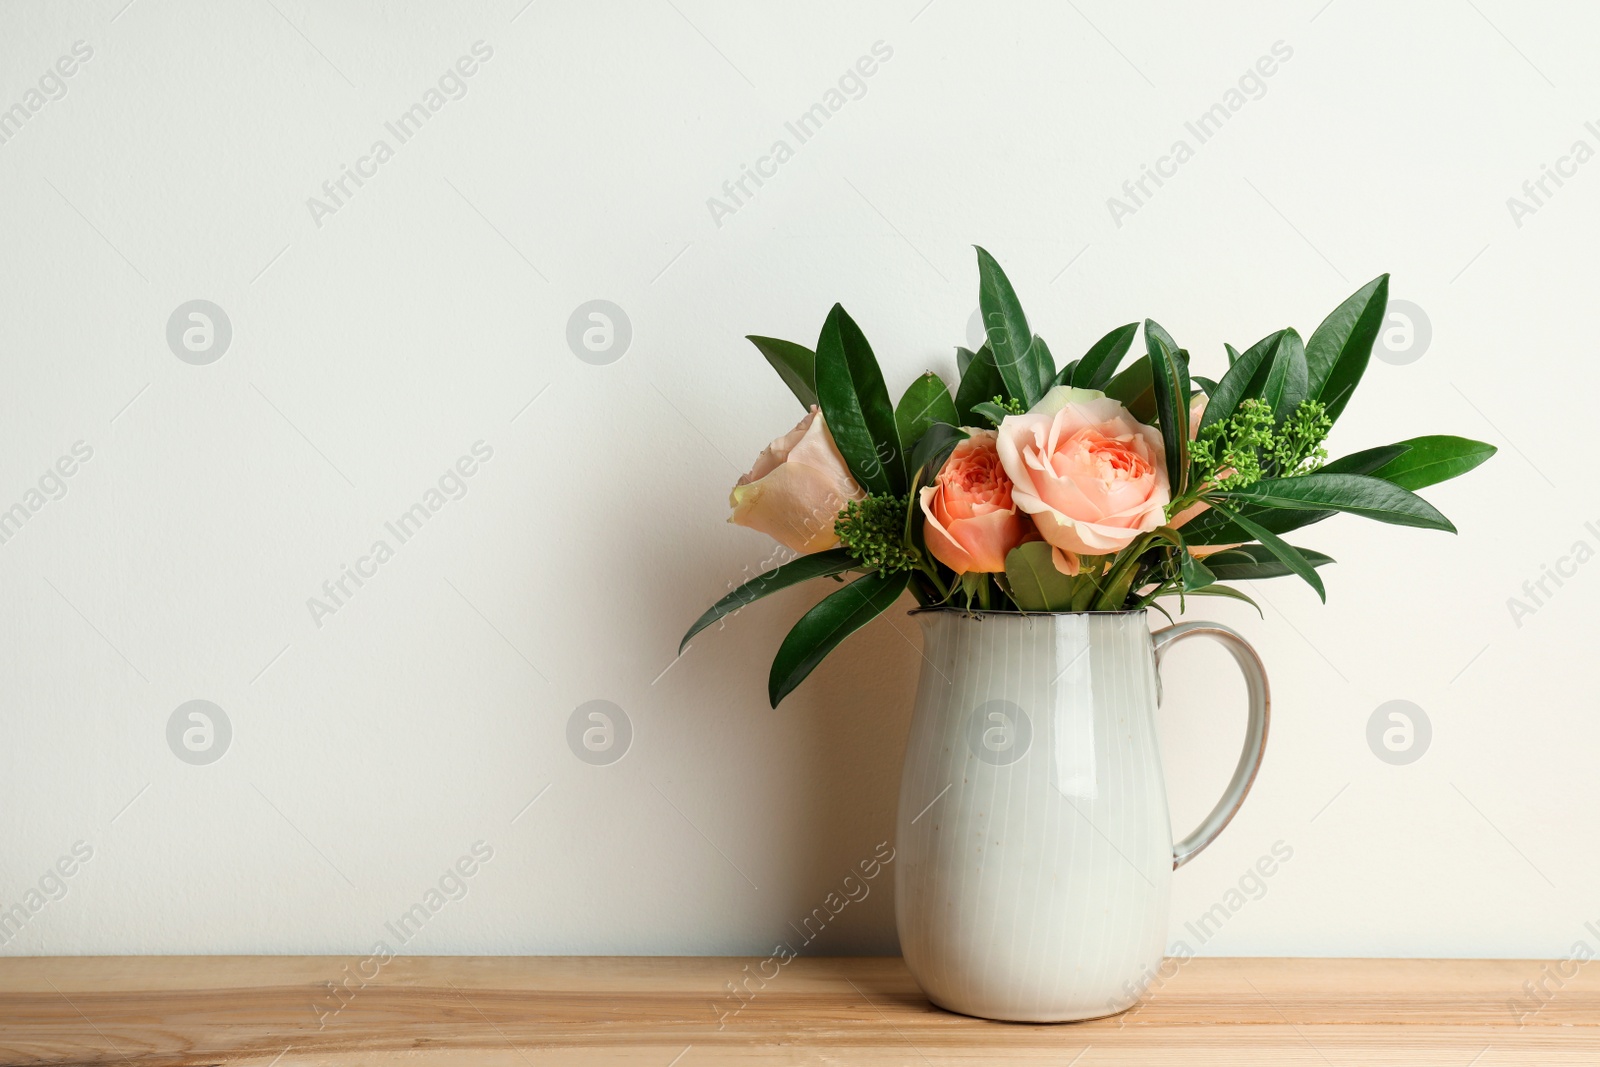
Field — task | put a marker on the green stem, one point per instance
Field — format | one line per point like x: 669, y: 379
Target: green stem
x: 1187, y: 500
x: 1121, y: 576
x: 1161, y: 589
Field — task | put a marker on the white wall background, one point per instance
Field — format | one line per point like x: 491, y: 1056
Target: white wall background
x: 371, y: 351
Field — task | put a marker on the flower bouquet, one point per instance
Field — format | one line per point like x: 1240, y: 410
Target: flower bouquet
x: 1090, y: 487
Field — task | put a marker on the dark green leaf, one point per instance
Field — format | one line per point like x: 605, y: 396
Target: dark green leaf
x: 856, y: 404
x: 1235, y: 385
x: 1196, y: 575
x: 1133, y: 388
x: 1036, y: 585
x: 1152, y: 327
x: 1044, y: 364
x: 963, y: 361
x: 1337, y: 354
x: 1285, y: 385
x: 1006, y: 329
x: 1430, y: 460
x: 1227, y: 591
x: 1207, y: 385
x: 1358, y: 494
x: 1366, y: 461
x: 795, y: 364
x: 819, y: 631
x: 802, y: 569
x: 980, y: 383
x: 1215, y: 528
x: 1250, y: 562
x: 1437, y: 459
x: 1064, y: 375
x: 928, y: 457
x: 1099, y: 364
x: 1288, y: 554
x: 926, y: 402
x: 1170, y: 380
x: 991, y: 411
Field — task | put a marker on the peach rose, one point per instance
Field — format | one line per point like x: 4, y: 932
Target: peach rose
x: 971, y: 520
x: 798, y: 486
x: 1092, y: 476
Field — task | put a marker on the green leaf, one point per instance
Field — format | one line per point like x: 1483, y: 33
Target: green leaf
x: 1357, y: 494
x: 803, y: 569
x: 1170, y: 380
x: 1337, y: 354
x: 1285, y: 385
x: 1036, y: 585
x: 1252, y: 562
x: 1044, y: 364
x: 856, y: 404
x: 819, y: 631
x: 1227, y: 591
x: 1364, y: 462
x: 1434, y: 459
x: 1437, y: 459
x: 1207, y: 385
x: 1288, y: 554
x: 1099, y: 364
x: 1134, y: 389
x: 1007, y: 331
x: 1235, y: 385
x: 928, y: 457
x: 1215, y: 528
x: 1151, y: 326
x: 963, y: 361
x: 1196, y: 575
x: 926, y: 402
x: 980, y: 383
x: 795, y: 364
x: 991, y: 411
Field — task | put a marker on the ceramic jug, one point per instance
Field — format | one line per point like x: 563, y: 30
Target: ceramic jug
x: 1034, y: 854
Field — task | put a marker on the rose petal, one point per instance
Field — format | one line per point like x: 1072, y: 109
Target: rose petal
x: 795, y: 505
x: 1066, y: 562
x: 1062, y: 395
x: 944, y: 547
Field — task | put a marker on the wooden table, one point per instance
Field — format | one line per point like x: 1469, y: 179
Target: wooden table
x: 676, y: 1012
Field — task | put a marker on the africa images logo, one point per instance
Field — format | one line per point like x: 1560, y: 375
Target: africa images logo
x: 451, y: 85
x: 1251, y: 85
x: 851, y: 85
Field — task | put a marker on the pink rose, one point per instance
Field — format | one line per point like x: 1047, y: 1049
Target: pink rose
x: 798, y: 486
x: 971, y: 520
x: 1092, y: 476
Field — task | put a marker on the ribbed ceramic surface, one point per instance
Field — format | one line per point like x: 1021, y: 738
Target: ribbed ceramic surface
x: 1034, y: 852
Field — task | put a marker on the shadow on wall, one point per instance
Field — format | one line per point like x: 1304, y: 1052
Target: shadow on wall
x: 819, y: 777
x: 856, y: 708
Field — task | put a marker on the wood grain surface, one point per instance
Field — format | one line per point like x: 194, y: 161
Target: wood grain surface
x: 679, y: 1012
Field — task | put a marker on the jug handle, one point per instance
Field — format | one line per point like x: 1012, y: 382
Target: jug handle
x: 1255, y: 736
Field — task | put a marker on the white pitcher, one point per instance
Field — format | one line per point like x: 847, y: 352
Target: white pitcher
x: 1034, y: 852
